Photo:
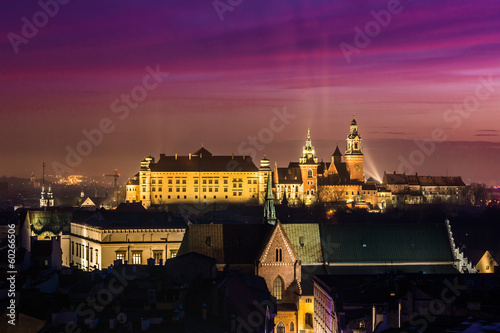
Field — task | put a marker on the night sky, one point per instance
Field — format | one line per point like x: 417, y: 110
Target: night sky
x: 425, y: 68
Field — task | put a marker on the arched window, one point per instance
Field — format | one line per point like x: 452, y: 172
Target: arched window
x: 292, y: 328
x: 278, y: 288
x: 280, y: 327
x: 279, y: 256
x: 309, y: 173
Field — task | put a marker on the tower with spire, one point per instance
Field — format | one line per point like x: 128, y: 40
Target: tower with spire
x: 354, y: 153
x: 269, y: 210
x: 308, y: 164
x: 46, y: 199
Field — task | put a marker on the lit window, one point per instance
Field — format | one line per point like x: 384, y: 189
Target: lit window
x: 278, y: 288
x: 120, y: 256
x: 173, y: 253
x: 137, y: 258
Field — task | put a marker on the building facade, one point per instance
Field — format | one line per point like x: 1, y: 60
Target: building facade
x: 97, y: 241
x: 416, y: 189
x: 199, y: 178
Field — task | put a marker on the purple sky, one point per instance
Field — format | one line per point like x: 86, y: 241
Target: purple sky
x: 226, y: 77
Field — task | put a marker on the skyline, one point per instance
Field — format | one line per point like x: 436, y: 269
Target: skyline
x: 229, y: 69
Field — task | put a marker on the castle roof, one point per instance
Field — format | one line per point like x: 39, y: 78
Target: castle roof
x: 203, y: 160
x: 337, y: 152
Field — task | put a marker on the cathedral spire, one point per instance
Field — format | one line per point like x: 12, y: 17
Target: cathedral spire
x: 269, y: 210
x: 308, y: 152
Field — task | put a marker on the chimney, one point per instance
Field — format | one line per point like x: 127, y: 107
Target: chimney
x: 175, y: 155
x: 232, y: 156
x: 189, y: 155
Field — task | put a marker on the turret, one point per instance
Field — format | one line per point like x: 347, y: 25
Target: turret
x: 354, y: 153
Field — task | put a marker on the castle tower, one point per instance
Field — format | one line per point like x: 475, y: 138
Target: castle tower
x: 269, y: 210
x: 308, y: 163
x: 264, y: 172
x: 145, y: 181
x: 354, y: 153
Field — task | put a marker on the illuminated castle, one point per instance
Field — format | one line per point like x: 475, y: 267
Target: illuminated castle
x: 198, y: 178
x: 341, y: 179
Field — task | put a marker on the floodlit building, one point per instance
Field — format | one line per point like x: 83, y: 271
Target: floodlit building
x: 97, y: 241
x: 341, y: 179
x: 198, y: 178
x: 416, y: 189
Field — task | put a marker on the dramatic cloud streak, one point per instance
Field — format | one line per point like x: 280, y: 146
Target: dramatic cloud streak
x: 225, y: 77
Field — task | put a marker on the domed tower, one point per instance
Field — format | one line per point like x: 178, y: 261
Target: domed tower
x: 354, y: 153
x: 308, y: 164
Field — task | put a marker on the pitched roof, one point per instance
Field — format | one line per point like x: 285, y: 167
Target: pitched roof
x: 378, y: 243
x: 337, y: 152
x: 290, y: 175
x: 397, y: 179
x: 128, y: 219
x: 306, y: 241
x: 232, y: 244
x: 203, y: 160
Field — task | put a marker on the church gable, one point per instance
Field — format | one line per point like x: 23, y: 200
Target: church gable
x: 88, y: 203
x: 278, y: 249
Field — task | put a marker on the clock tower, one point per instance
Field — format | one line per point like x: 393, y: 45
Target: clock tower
x: 354, y: 153
x: 308, y: 164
